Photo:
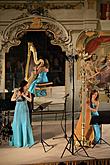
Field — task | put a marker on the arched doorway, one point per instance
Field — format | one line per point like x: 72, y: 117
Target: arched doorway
x: 16, y: 59
x: 16, y: 30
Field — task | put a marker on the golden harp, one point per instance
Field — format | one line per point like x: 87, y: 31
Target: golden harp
x: 30, y: 74
x: 32, y: 60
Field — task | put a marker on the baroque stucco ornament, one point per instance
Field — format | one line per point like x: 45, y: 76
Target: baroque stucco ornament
x: 15, y: 30
x: 33, y: 4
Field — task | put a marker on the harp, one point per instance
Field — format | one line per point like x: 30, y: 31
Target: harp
x: 32, y: 60
x: 31, y: 74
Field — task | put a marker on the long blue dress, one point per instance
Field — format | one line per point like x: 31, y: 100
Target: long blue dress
x: 42, y: 78
x: 22, y: 131
x: 96, y: 126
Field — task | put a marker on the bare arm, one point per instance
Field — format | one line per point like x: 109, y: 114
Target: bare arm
x: 95, y: 109
x: 15, y: 95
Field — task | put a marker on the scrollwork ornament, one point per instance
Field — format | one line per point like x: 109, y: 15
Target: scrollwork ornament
x: 12, y: 35
x: 17, y: 28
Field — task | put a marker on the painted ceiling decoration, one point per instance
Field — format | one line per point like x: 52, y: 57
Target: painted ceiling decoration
x: 91, y: 40
x: 93, y: 44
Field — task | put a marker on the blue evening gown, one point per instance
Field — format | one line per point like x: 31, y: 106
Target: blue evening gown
x: 42, y: 78
x: 96, y: 126
x: 22, y: 131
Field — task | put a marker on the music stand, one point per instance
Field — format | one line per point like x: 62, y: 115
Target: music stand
x: 43, y: 142
x: 98, y: 120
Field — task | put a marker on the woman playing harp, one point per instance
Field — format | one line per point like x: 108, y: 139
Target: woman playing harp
x: 40, y: 70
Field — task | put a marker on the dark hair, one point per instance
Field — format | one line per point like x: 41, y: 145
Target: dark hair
x: 92, y: 92
x: 22, y: 84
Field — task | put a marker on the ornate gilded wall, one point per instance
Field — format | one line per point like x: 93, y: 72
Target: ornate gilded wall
x: 66, y: 19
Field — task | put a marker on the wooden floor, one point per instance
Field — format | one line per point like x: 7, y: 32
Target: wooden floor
x: 37, y: 155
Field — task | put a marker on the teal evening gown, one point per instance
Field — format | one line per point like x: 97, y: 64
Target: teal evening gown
x: 22, y: 131
x: 96, y: 126
x: 41, y: 78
